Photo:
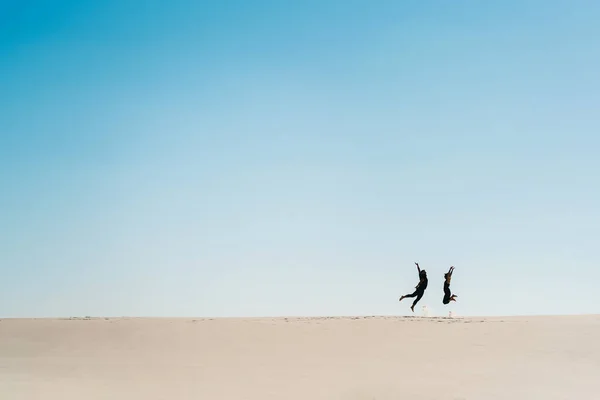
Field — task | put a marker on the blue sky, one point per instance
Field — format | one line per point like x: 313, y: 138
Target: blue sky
x: 252, y: 158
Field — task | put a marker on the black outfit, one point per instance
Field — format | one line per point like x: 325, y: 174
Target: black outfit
x: 419, y: 292
x: 447, y: 293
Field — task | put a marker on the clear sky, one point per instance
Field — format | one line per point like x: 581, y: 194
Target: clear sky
x: 261, y: 158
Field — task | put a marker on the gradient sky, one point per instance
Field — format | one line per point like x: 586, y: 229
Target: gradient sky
x: 261, y: 158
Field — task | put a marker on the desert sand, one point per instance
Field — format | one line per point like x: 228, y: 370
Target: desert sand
x: 350, y: 358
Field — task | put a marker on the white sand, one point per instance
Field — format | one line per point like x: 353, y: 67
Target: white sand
x: 361, y: 358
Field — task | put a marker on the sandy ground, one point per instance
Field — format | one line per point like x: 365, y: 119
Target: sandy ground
x: 353, y: 358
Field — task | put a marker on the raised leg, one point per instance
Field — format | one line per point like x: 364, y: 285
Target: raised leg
x: 414, y: 294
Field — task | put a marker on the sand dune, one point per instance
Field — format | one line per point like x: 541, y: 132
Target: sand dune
x: 350, y: 358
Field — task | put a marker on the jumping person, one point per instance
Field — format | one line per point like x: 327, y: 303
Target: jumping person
x: 420, y: 288
x: 448, y: 296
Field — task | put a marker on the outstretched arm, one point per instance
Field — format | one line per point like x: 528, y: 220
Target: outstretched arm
x: 418, y: 269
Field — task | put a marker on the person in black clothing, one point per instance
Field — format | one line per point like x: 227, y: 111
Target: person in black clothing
x: 448, y: 296
x: 419, y: 289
